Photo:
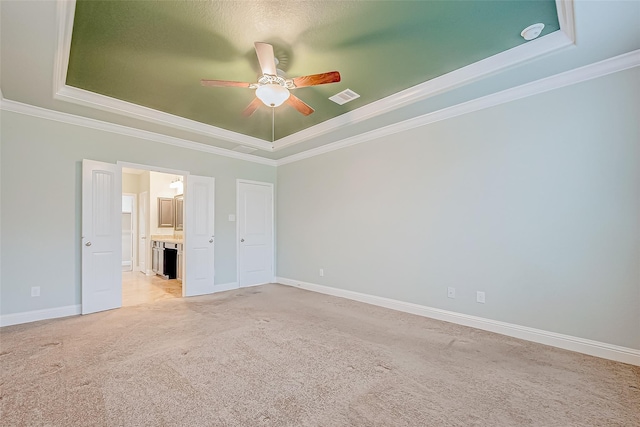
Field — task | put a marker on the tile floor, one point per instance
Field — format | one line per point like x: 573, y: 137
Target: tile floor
x: 140, y: 289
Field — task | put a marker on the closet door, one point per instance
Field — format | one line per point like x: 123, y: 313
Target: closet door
x: 255, y: 233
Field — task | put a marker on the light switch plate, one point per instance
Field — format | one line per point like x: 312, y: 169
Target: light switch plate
x: 232, y: 217
x: 480, y: 297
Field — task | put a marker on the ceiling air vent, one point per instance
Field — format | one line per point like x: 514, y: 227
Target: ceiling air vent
x: 344, y: 96
x: 244, y: 149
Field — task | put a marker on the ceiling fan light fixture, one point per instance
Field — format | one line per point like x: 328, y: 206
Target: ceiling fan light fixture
x: 272, y: 95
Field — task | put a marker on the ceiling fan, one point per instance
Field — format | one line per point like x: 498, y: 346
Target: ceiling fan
x: 272, y: 89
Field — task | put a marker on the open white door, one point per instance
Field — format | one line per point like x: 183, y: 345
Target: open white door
x: 255, y: 232
x: 101, y: 236
x: 199, y: 231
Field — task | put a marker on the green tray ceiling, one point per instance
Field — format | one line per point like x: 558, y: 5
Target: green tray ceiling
x: 154, y: 53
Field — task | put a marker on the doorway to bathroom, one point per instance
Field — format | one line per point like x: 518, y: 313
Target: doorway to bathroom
x: 152, y: 235
x: 193, y: 252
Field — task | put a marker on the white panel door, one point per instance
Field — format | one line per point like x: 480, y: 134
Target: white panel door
x: 142, y: 231
x: 255, y: 233
x: 199, y: 230
x: 101, y: 236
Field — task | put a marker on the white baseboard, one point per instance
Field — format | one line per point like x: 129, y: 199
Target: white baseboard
x: 567, y: 342
x: 256, y: 284
x: 71, y: 310
x: 225, y: 287
x: 34, y: 316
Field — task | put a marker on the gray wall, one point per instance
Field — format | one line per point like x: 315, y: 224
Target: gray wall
x: 536, y: 202
x: 41, y: 215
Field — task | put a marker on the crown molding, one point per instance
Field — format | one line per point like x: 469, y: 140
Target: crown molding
x: 65, y: 13
x: 61, y: 91
x: 30, y: 110
x: 113, y: 105
x: 588, y: 72
x: 438, y: 85
x: 544, y: 45
x: 566, y: 18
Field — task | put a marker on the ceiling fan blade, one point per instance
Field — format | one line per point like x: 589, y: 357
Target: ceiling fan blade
x: 297, y: 103
x: 266, y: 58
x: 251, y: 108
x: 223, y: 83
x: 317, y: 79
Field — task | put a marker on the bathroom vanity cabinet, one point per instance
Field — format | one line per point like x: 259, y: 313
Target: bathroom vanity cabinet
x: 166, y: 260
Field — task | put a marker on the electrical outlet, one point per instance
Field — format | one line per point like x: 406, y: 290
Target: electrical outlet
x: 322, y: 272
x: 451, y: 292
x: 35, y: 291
x: 480, y: 297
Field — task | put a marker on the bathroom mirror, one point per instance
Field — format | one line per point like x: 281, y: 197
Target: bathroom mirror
x: 165, y: 212
x: 179, y: 214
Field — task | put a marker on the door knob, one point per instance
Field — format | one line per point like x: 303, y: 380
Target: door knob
x: 210, y: 240
x: 241, y: 240
x: 88, y: 244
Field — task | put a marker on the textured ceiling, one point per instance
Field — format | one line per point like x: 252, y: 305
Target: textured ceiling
x: 154, y: 53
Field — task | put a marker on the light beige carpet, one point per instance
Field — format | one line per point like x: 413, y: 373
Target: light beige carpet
x: 279, y: 356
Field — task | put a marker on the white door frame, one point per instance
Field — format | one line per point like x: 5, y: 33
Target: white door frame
x: 143, y: 198
x: 169, y: 171
x: 273, y: 228
x: 134, y: 232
